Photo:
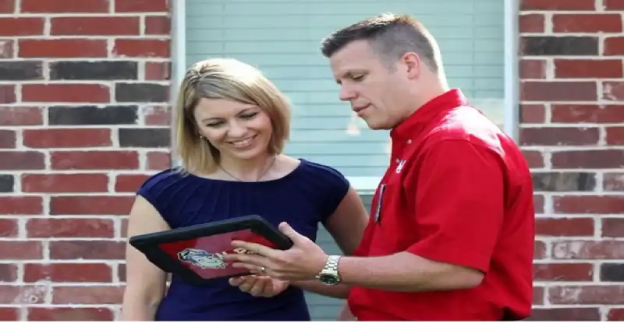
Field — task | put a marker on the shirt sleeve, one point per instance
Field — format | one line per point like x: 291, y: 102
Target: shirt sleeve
x: 460, y: 204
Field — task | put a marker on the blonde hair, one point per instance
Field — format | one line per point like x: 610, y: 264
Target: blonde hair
x: 229, y: 79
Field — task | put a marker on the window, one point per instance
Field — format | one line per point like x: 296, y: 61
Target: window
x: 281, y: 37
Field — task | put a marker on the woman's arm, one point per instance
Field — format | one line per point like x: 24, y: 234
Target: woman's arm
x: 145, y: 283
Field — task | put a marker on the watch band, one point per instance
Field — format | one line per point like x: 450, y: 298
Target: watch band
x: 332, y: 263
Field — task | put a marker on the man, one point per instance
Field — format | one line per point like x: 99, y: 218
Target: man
x: 451, y: 231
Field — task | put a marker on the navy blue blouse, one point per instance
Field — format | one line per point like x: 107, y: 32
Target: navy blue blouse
x: 304, y: 198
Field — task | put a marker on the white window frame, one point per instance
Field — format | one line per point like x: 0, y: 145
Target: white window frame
x: 367, y: 185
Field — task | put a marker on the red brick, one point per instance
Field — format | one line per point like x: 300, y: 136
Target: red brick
x: 67, y: 138
x: 566, y: 314
x: 157, y: 71
x: 70, y: 314
x: 68, y: 272
x: 141, y: 48
x: 613, y: 182
x: 558, y: 91
x: 613, y: 227
x: 535, y: 159
x: 64, y: 6
x: 87, y: 249
x: 613, y: 91
x: 129, y: 182
x: 157, y: 25
x: 94, y: 160
x: 23, y: 294
x: 157, y: 115
x: 8, y: 228
x: 8, y: 139
x: 7, y: 48
x: 18, y: 160
x: 21, y: 205
x: 555, y: 136
x: 538, y: 295
x: 91, y: 205
x: 538, y: 204
x: 532, y: 23
x: 589, y: 204
x: 77, y: 26
x: 124, y: 227
x: 7, y: 6
x: 532, y: 113
x: 614, y: 46
x: 589, y: 159
x: 87, y: 295
x: 526, y: 5
x: 8, y: 273
x: 590, y: 294
x: 588, y: 68
x: 588, y: 249
x: 563, y: 272
x: 587, y: 23
x: 532, y: 69
x: 7, y: 94
x: 615, y: 135
x: 141, y: 6
x: 11, y: 249
x: 21, y: 26
x: 121, y: 270
x: 158, y: 160
x: 70, y: 93
x: 564, y: 226
x: 590, y: 113
x: 540, y: 250
x: 616, y: 314
x: 70, y: 228
x: 62, y: 48
x: 9, y: 313
x: 59, y: 183
x: 20, y: 115
x: 613, y: 4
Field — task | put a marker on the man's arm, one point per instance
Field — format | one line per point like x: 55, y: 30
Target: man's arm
x: 340, y: 291
x: 460, y: 207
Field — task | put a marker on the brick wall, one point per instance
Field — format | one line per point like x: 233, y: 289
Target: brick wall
x: 83, y: 115
x: 572, y: 113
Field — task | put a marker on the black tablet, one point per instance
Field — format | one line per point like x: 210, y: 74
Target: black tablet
x: 195, y: 253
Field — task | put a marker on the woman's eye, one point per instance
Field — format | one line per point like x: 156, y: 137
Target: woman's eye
x: 358, y: 77
x: 214, y: 124
x: 248, y: 116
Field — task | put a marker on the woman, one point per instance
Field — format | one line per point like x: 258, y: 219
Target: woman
x: 231, y: 127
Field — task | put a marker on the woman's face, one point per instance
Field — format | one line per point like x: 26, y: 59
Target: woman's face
x: 237, y: 130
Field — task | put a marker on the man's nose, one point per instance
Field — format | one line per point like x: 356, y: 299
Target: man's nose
x: 346, y: 94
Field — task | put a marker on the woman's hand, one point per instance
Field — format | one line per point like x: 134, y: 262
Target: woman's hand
x: 259, y: 286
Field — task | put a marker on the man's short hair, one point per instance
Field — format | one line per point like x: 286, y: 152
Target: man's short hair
x: 390, y: 36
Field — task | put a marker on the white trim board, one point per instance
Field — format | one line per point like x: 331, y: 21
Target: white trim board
x: 369, y: 184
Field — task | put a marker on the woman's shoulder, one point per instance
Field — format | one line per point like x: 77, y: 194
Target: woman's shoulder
x: 323, y: 176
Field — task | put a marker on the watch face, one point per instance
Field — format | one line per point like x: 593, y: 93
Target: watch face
x: 328, y: 279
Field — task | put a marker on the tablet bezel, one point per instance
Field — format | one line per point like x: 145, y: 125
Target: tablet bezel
x: 148, y: 243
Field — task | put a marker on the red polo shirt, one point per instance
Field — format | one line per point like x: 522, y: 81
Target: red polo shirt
x: 458, y: 191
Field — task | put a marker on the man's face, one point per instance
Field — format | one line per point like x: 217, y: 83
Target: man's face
x: 377, y: 93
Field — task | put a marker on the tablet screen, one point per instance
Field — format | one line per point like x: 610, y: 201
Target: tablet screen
x: 204, y: 255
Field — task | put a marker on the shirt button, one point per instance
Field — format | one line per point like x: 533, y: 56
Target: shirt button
x: 409, y: 141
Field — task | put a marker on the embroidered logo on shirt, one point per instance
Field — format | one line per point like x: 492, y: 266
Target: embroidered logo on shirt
x: 400, y: 166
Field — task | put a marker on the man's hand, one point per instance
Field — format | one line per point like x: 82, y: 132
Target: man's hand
x: 259, y: 286
x: 303, y: 261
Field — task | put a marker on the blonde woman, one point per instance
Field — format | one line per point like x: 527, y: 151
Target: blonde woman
x: 231, y: 127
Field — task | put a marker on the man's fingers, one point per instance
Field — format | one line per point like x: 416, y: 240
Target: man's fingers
x: 236, y: 281
x: 255, y: 248
x: 251, y: 259
x: 290, y: 233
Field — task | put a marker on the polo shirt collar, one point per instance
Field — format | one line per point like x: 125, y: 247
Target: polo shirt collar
x: 427, y: 112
